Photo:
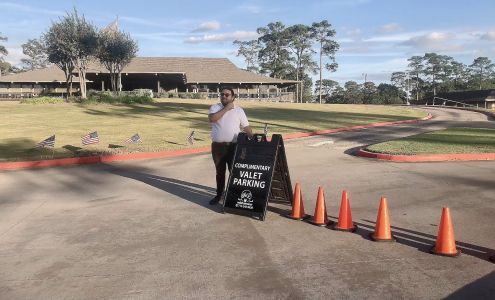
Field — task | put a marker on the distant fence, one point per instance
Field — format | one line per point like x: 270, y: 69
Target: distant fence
x: 447, y: 102
x: 271, y: 97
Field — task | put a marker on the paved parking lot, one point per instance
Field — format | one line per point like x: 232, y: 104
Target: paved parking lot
x: 144, y: 229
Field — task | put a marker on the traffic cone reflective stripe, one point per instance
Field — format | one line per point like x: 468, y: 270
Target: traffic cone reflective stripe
x: 297, y: 205
x: 445, y: 243
x: 320, y: 217
x: 382, y: 229
x: 345, y: 216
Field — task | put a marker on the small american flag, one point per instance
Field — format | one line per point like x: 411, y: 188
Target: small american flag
x: 265, y: 130
x: 49, y: 142
x: 90, y: 138
x: 190, y: 138
x: 134, y: 139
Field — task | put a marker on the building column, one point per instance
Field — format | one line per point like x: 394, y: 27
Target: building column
x: 103, y: 85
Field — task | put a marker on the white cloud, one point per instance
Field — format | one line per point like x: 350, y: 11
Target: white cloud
x: 254, y: 9
x: 5, y: 6
x: 489, y: 36
x: 229, y: 36
x: 15, y: 55
x: 434, y: 41
x: 207, y: 26
x: 391, y: 27
x: 351, y: 31
x: 139, y: 21
x: 395, y: 37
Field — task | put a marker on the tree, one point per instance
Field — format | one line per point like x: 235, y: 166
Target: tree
x: 76, y: 40
x: 5, y: 68
x: 480, y: 65
x: 250, y: 51
x: 273, y: 56
x: 399, y: 80
x: 323, y: 33
x: 389, y: 94
x: 369, y: 92
x: 435, y: 67
x: 459, y: 74
x: 328, y: 87
x: 352, y: 93
x: 299, y: 43
x: 116, y: 49
x: 416, y: 67
x: 3, y: 51
x: 56, y: 41
x: 38, y: 58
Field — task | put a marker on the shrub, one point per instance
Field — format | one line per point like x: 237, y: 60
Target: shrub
x: 43, y: 100
x: 112, y: 98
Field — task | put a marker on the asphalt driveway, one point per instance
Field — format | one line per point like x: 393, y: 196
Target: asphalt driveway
x: 144, y: 229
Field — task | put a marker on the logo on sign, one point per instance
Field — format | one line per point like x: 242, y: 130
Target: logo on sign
x: 246, y: 196
x: 245, y: 200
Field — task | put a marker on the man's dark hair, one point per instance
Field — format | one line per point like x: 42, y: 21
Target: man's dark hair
x: 230, y: 89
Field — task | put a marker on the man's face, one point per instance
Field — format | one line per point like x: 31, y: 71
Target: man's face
x: 226, y: 97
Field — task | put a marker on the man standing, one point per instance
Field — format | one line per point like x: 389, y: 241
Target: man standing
x: 226, y: 120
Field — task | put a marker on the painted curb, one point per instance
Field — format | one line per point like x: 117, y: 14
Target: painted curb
x: 174, y: 153
x: 427, y: 157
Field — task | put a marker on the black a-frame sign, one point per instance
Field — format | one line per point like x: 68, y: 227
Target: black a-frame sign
x: 259, y: 174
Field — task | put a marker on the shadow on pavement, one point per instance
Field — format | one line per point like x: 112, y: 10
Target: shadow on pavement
x: 195, y: 193
x: 483, y: 288
x: 422, y: 241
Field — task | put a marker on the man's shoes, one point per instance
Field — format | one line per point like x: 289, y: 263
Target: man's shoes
x: 215, y: 200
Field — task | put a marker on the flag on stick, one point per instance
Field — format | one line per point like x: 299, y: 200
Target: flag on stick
x: 49, y: 142
x: 90, y: 138
x: 265, y: 130
x: 134, y: 139
x: 190, y: 138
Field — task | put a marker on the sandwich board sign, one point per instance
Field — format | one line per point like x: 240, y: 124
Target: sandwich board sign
x: 259, y: 174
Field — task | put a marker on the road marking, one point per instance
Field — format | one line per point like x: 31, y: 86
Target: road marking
x: 321, y: 143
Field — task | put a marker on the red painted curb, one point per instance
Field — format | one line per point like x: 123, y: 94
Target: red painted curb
x: 173, y: 153
x: 427, y: 157
x: 97, y: 159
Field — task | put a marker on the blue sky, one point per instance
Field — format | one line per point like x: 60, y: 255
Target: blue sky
x: 375, y: 37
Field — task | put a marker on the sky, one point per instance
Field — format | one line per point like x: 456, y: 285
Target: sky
x: 376, y: 37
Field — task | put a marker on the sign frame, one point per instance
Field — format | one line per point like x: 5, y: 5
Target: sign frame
x: 257, y: 153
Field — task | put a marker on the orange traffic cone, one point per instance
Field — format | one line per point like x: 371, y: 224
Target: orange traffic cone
x: 297, y: 205
x: 382, y: 229
x: 320, y: 218
x: 345, y: 217
x: 445, y: 244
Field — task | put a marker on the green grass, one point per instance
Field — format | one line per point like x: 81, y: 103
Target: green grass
x: 163, y: 125
x: 454, y: 140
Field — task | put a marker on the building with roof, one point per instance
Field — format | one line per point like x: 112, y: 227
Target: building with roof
x: 162, y: 75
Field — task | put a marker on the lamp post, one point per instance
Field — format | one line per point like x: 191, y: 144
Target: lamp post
x: 407, y: 93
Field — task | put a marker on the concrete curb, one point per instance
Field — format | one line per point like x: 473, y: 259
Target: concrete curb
x: 427, y: 157
x: 174, y: 153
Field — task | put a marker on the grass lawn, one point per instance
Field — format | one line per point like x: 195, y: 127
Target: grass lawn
x: 454, y: 140
x: 163, y: 125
